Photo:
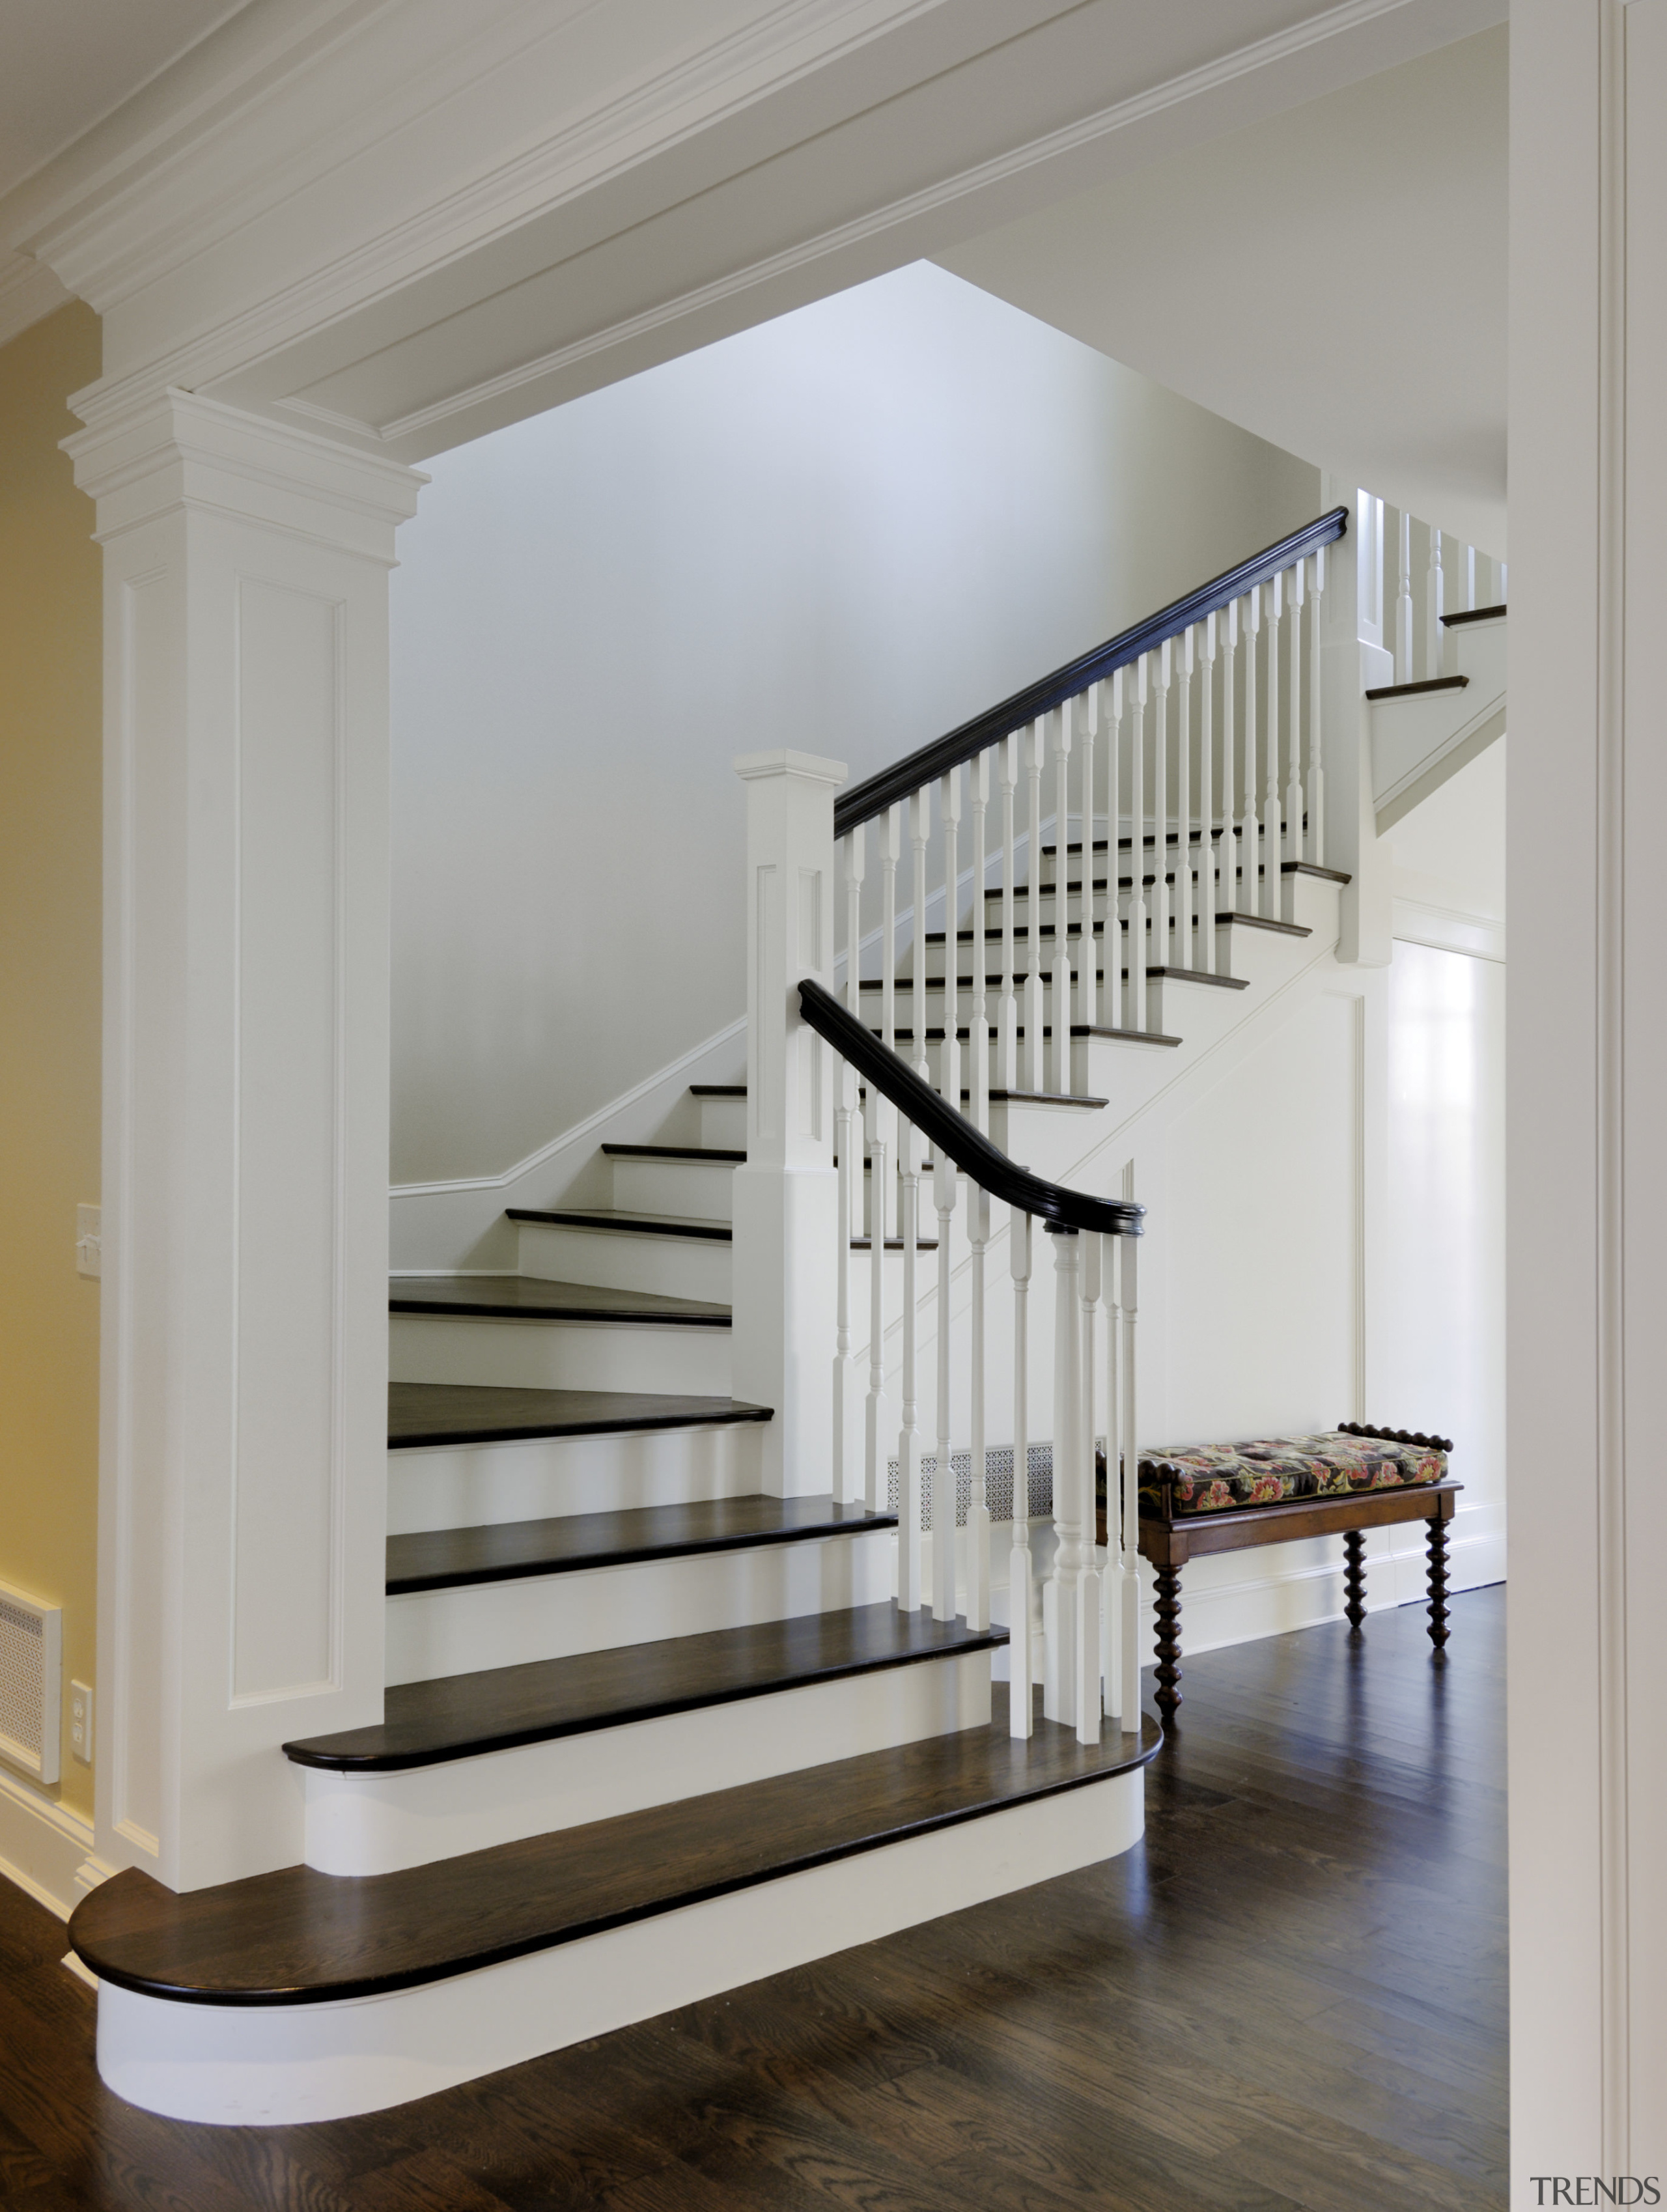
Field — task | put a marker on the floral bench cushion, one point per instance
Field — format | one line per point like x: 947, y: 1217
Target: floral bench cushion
x: 1215, y: 1478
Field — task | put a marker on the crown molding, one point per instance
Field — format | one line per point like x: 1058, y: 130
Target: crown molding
x: 28, y: 293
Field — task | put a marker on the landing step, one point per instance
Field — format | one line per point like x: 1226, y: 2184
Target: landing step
x: 299, y: 1937
x: 706, y: 1153
x: 463, y: 1716
x: 507, y: 1550
x: 422, y: 1414
x: 527, y: 1298
x: 616, y: 1218
x: 1041, y: 1099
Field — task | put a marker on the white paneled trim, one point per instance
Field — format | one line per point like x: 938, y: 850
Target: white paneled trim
x: 273, y: 2065
x: 28, y: 293
x: 1449, y: 930
x: 43, y: 1846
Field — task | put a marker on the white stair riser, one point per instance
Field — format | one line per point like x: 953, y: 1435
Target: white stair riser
x: 559, y: 1355
x: 459, y: 1631
x: 693, y: 1190
x: 678, y: 1266
x: 377, y: 1823
x: 287, y: 2064
x: 723, y: 1123
x: 474, y: 1486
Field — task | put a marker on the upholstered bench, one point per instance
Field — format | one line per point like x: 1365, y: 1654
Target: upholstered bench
x: 1201, y: 1499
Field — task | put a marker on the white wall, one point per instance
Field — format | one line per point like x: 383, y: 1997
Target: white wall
x: 844, y: 531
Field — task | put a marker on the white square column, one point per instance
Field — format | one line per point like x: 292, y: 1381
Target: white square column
x: 787, y: 1196
x: 244, y: 1420
x: 1352, y: 658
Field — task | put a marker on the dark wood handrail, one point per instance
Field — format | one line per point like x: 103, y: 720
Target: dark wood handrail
x: 949, y: 1131
x: 865, y: 801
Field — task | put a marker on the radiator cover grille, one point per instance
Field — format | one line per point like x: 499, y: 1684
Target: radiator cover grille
x: 31, y: 1645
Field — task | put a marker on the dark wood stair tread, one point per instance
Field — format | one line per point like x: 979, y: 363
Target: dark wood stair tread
x: 717, y: 1091
x: 527, y: 1297
x: 1473, y: 615
x: 617, y: 1217
x: 463, y: 1716
x: 297, y: 1936
x: 1041, y: 1099
x: 424, y: 1413
x: 506, y: 1551
x: 675, y: 1152
x: 1413, y: 690
x: 1313, y: 868
x: 1196, y: 975
x: 1264, y: 921
x: 1118, y: 1036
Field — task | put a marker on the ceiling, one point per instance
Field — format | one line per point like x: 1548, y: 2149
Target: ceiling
x: 65, y: 63
x: 1375, y: 217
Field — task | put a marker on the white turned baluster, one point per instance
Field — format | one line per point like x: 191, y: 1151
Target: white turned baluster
x: 1403, y: 605
x: 920, y: 833
x: 1006, y: 1020
x: 882, y: 1204
x: 1232, y: 851
x: 1129, y: 1580
x: 1294, y: 825
x: 1060, y: 1068
x: 978, y: 1533
x: 1161, y: 952
x: 949, y: 1053
x: 1210, y: 887
x: 1117, y: 1009
x: 1314, y: 844
x: 1250, y: 854
x: 1059, y: 1619
x: 1112, y: 1577
x: 911, y: 1586
x: 855, y: 861
x: 1271, y: 807
x: 1087, y: 710
x: 1030, y: 1074
x: 1136, y: 939
x: 1504, y: 584
x: 1434, y: 606
x: 1019, y: 1597
x: 1088, y: 1694
x: 882, y: 1118
x: 978, y: 1023
x: 848, y: 1474
x: 1186, y: 657
x: 943, y: 1474
x: 1467, y: 581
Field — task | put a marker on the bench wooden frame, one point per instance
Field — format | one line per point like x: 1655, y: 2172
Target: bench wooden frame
x: 1169, y: 1540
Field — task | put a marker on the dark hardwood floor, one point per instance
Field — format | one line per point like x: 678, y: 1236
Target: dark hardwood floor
x: 1293, y: 1994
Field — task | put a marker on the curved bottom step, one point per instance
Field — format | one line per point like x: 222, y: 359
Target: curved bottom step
x: 295, y: 1997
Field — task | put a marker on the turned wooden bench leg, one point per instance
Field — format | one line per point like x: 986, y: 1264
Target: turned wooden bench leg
x: 1168, y: 1606
x: 1437, y: 1580
x: 1354, y: 1577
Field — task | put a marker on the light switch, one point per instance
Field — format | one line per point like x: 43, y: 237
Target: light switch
x: 89, y: 1241
x: 81, y: 1720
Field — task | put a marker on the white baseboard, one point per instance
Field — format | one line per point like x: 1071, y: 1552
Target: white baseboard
x: 43, y: 1846
x: 278, y: 2065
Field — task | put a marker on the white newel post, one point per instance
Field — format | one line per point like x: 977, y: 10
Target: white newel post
x: 1352, y: 658
x: 786, y: 1194
x: 243, y: 1378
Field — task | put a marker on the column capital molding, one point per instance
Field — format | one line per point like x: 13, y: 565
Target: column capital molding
x: 167, y: 450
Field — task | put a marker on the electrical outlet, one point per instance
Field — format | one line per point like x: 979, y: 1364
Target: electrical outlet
x: 89, y: 1234
x: 81, y: 1720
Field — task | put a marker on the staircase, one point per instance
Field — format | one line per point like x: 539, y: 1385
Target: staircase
x: 700, y: 1664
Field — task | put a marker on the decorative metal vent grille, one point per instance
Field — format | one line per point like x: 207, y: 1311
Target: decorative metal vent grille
x: 30, y: 1642
x: 998, y: 1483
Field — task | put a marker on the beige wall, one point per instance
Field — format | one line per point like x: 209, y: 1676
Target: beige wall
x: 49, y: 843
